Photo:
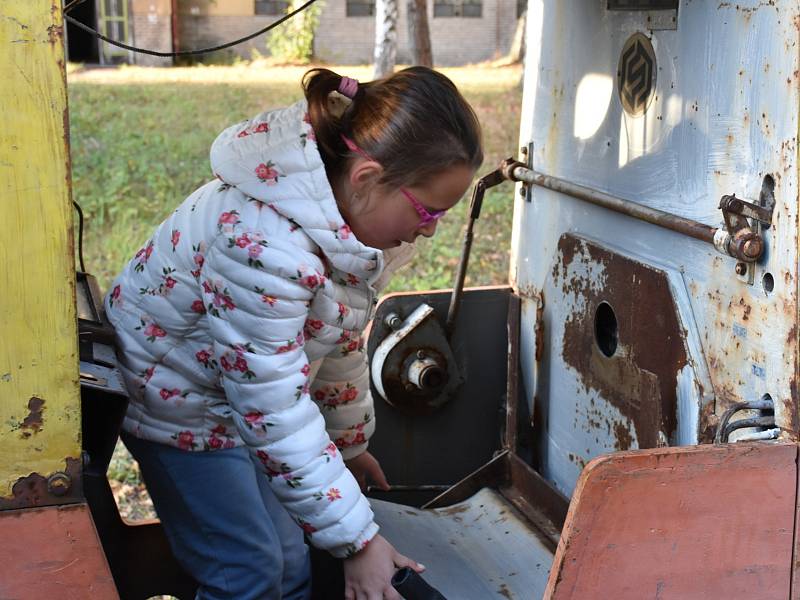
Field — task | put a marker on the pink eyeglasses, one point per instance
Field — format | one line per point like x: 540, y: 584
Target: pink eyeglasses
x: 426, y: 217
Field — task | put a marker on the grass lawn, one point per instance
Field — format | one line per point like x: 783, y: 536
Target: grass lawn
x: 140, y: 139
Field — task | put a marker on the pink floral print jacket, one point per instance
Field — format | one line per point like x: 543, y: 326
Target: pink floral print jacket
x: 240, y: 322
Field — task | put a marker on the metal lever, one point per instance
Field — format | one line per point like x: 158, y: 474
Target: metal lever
x: 494, y: 178
x: 743, y: 242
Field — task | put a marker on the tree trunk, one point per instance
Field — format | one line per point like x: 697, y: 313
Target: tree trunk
x: 419, y: 35
x: 385, y: 37
x: 517, y: 52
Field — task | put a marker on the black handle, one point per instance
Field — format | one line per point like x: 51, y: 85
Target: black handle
x: 411, y: 586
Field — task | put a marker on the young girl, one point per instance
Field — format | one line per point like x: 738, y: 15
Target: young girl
x: 239, y: 329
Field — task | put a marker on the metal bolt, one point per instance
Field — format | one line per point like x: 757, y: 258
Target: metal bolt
x: 752, y: 248
x: 59, y: 483
x: 523, y: 150
x: 523, y: 192
x: 393, y: 321
x: 409, y: 387
x: 420, y: 354
x: 741, y: 268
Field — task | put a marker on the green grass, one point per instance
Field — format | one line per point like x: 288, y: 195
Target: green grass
x: 140, y: 141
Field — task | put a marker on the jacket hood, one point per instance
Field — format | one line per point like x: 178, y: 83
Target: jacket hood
x: 273, y: 158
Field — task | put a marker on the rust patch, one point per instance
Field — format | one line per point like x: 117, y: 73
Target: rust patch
x: 454, y: 510
x: 539, y: 331
x: 578, y: 460
x: 640, y: 378
x: 32, y: 490
x: 55, y: 34
x: 505, y: 592
x: 623, y: 436
x: 792, y: 406
x: 708, y: 424
x: 35, y: 420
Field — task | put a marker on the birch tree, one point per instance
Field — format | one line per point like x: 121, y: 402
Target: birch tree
x: 385, y: 37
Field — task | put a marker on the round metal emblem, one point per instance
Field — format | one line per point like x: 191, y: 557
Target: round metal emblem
x: 636, y: 74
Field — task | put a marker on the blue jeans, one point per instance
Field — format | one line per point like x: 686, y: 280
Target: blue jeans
x: 224, y: 524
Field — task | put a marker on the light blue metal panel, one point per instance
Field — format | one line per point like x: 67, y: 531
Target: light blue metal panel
x: 724, y: 114
x: 477, y: 549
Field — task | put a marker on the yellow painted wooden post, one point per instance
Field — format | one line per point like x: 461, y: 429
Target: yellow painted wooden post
x: 40, y: 423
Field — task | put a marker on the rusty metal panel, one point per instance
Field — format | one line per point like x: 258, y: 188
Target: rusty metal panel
x: 723, y: 116
x: 39, y: 394
x: 682, y: 524
x: 620, y: 349
x: 53, y: 552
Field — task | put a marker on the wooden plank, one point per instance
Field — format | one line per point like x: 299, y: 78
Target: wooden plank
x: 681, y: 523
x: 53, y: 552
x: 39, y: 392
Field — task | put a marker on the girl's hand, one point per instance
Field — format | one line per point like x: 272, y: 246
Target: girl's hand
x: 368, y: 574
x: 366, y: 466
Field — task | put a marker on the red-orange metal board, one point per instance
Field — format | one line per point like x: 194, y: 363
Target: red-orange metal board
x: 52, y: 552
x: 681, y: 524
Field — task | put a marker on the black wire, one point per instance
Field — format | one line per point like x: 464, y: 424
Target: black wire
x: 88, y: 29
x: 80, y: 234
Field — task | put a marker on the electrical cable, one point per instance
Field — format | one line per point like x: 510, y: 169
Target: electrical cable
x: 97, y: 34
x: 80, y: 232
x: 764, y: 404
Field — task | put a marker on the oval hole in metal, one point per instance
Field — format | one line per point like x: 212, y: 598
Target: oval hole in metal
x: 606, y: 333
x: 768, y: 281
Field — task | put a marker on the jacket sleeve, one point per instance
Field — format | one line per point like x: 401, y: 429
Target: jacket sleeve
x: 341, y: 390
x: 342, y: 385
x: 257, y: 292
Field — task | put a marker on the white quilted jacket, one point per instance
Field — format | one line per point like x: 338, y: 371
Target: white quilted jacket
x: 224, y: 317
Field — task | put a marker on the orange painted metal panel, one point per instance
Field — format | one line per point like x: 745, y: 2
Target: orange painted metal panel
x: 53, y: 552
x: 681, y: 523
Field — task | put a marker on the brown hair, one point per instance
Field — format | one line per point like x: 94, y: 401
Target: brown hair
x: 415, y: 123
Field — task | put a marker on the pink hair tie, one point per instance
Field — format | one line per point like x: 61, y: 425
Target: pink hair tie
x: 348, y: 87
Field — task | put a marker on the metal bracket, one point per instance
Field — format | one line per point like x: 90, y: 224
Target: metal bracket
x: 744, y: 223
x: 414, y: 368
x: 526, y: 156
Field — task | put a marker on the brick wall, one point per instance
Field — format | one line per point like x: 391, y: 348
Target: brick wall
x: 151, y: 28
x: 344, y: 40
x: 196, y: 31
x: 153, y: 33
x: 455, y: 40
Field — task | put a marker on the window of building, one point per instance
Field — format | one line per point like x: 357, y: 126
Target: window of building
x: 360, y: 8
x: 271, y: 7
x: 457, y: 8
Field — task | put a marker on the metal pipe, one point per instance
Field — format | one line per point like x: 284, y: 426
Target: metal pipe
x: 746, y: 424
x: 695, y: 229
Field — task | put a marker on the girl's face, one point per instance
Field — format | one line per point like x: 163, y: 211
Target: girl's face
x: 388, y: 215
